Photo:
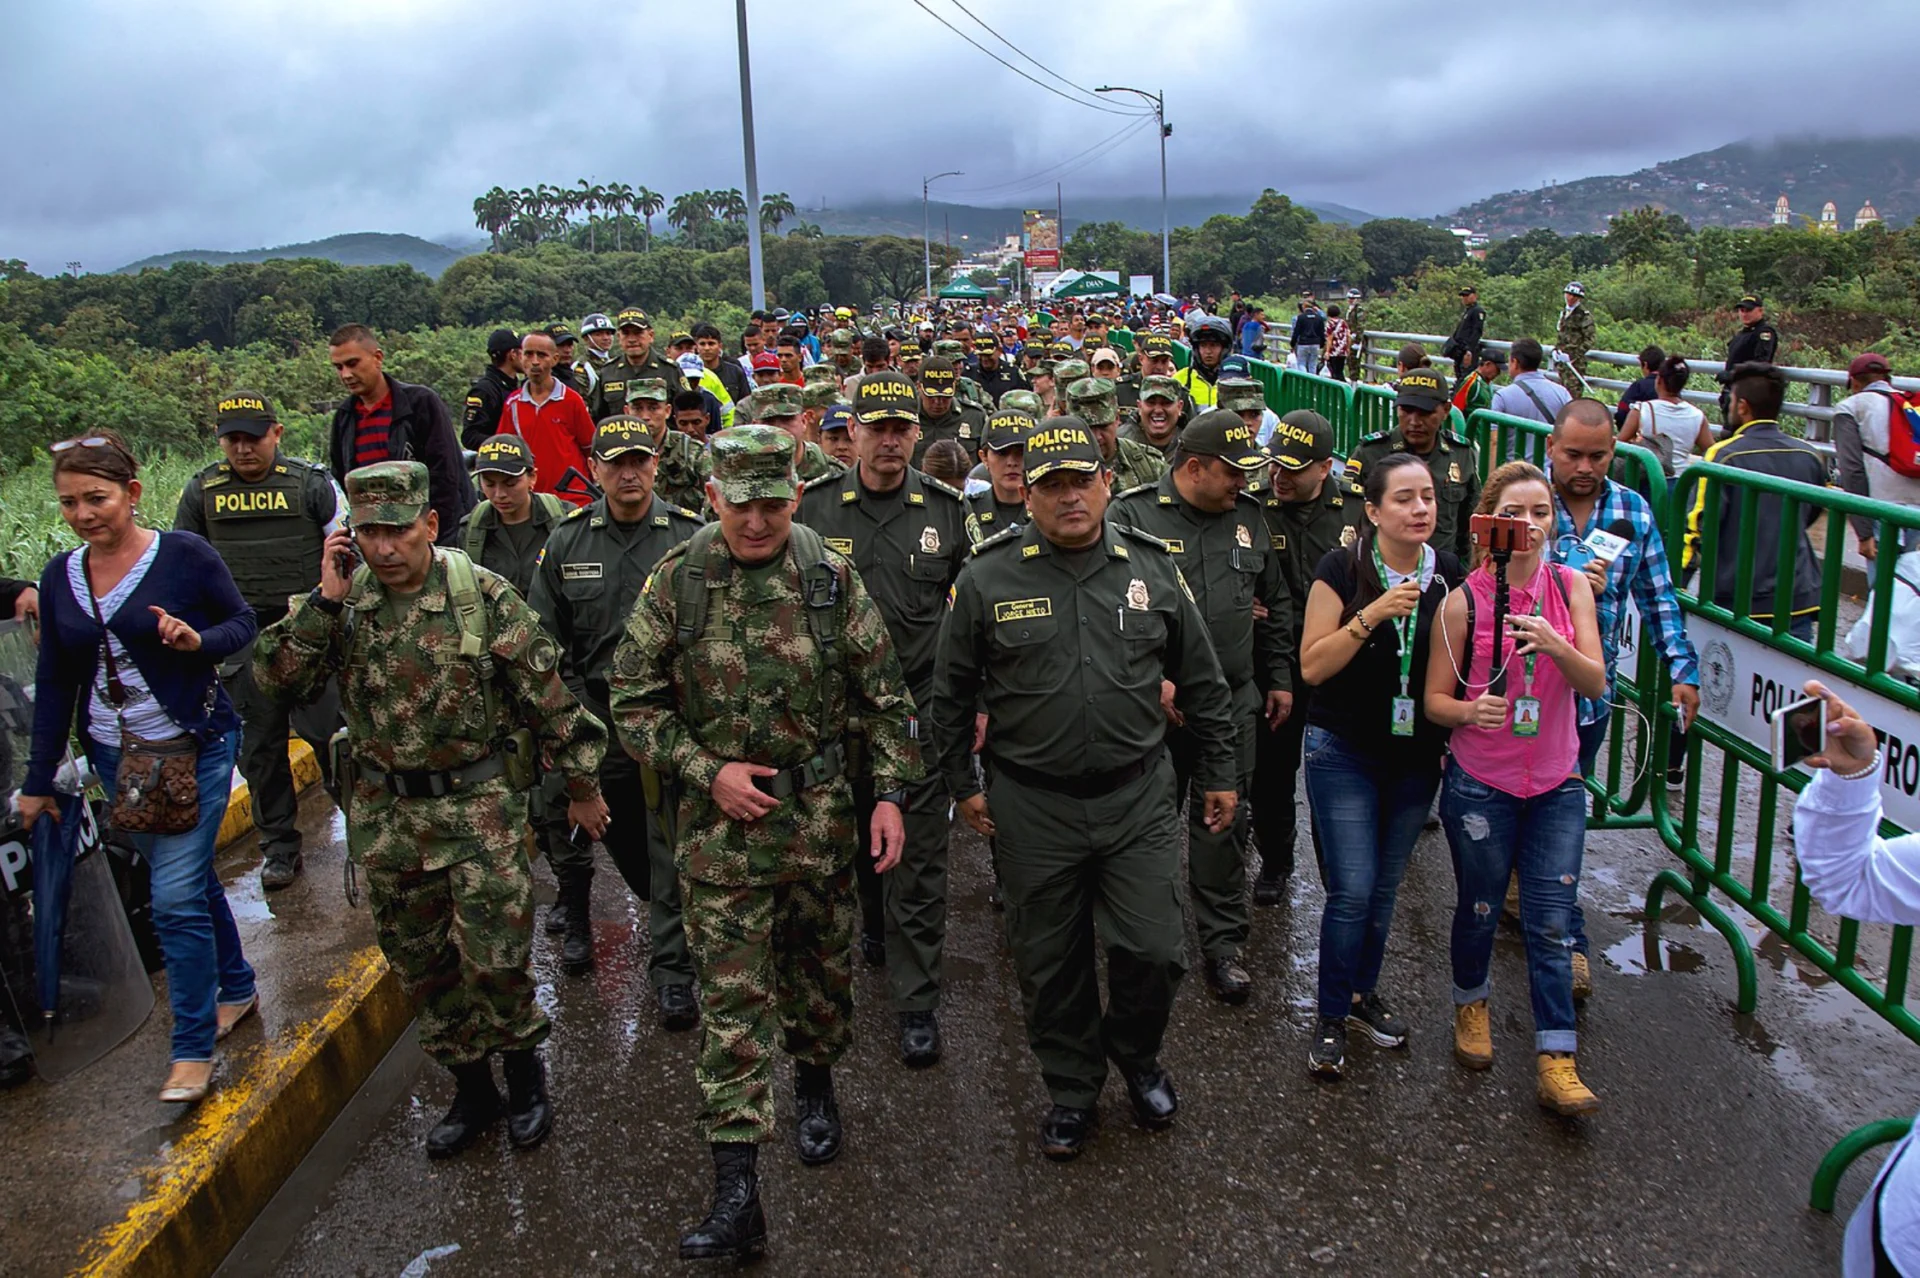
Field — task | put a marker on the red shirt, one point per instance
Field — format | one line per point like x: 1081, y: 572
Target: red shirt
x: 559, y: 432
x: 371, y: 429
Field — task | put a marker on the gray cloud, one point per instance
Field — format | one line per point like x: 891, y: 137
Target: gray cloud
x: 231, y: 124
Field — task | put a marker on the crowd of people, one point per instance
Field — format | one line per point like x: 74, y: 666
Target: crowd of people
x: 758, y: 620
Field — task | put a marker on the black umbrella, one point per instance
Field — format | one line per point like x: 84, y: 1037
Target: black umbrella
x: 55, y: 845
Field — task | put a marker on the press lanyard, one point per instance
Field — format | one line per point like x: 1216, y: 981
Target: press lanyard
x: 1402, y: 715
x: 1526, y: 710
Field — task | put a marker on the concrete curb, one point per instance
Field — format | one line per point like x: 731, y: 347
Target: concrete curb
x: 250, y: 1133
x: 238, y: 823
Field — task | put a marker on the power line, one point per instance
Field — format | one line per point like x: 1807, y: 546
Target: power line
x: 1091, y: 106
x: 1081, y: 89
x: 1058, y: 170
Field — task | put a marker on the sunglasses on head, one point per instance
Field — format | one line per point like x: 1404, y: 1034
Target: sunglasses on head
x: 90, y: 441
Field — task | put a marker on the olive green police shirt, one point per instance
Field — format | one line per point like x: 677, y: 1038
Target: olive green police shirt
x: 908, y: 547
x: 513, y: 550
x: 987, y: 515
x: 268, y: 531
x: 587, y: 579
x: 1229, y: 564
x: 1302, y: 532
x: 1067, y: 663
x: 1455, y: 467
x: 968, y: 425
x: 608, y: 396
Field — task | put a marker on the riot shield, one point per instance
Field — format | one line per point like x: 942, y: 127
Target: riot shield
x: 104, y: 991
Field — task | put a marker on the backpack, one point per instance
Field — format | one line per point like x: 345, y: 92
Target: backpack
x: 1903, y: 428
x: 469, y: 614
x: 544, y: 504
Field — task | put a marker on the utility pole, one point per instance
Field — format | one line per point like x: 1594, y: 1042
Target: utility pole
x: 926, y: 224
x: 756, y: 268
x: 1159, y: 101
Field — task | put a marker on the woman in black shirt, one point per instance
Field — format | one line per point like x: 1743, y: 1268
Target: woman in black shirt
x: 1373, y: 758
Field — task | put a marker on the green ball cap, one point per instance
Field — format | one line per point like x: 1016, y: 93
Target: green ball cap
x: 753, y: 463
x: 1422, y: 389
x: 388, y: 493
x: 1300, y: 439
x: 1219, y: 432
x: 1061, y: 443
x: 885, y: 396
x: 502, y: 455
x: 243, y: 412
x: 618, y: 436
x: 1008, y: 428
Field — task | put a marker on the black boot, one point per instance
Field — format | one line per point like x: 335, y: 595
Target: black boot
x: 476, y: 1104
x: 816, y: 1114
x: 557, y: 914
x: 529, y: 1112
x: 576, y: 951
x: 736, y: 1226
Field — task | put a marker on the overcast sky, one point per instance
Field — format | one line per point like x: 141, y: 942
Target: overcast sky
x: 140, y: 128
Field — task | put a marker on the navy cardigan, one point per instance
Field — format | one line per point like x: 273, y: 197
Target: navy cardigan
x: 189, y: 580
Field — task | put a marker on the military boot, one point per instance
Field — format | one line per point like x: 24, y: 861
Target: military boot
x: 816, y: 1128
x: 529, y: 1111
x: 476, y: 1103
x: 736, y: 1226
x: 576, y: 889
x: 557, y: 915
x: 280, y: 867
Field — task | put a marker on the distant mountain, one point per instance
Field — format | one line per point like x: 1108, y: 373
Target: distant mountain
x: 1735, y: 185
x: 978, y: 224
x: 362, y: 248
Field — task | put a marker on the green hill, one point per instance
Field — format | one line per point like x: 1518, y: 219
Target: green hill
x: 362, y: 248
x: 902, y: 217
x: 1734, y: 185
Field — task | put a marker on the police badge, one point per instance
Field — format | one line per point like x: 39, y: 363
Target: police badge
x: 1137, y: 595
x: 929, y: 540
x: 1242, y: 537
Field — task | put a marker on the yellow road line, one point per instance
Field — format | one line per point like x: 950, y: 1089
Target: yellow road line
x: 238, y: 823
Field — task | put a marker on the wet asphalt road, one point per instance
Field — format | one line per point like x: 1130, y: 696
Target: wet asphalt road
x: 1698, y: 1162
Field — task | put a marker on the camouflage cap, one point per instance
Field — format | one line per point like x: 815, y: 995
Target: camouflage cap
x: 389, y: 493
x: 1060, y: 443
x: 1238, y: 394
x: 841, y: 339
x: 633, y: 317
x: 1023, y: 400
x: 885, y: 396
x: 937, y: 376
x: 1068, y: 371
x: 1159, y: 387
x: 618, y: 436
x: 948, y: 348
x: 782, y: 399
x: 648, y: 388
x: 1095, y: 400
x: 820, y: 394
x: 837, y: 417
x: 821, y: 373
x: 1301, y: 438
x: 503, y: 455
x: 753, y: 463
x: 1008, y: 428
x: 1219, y: 432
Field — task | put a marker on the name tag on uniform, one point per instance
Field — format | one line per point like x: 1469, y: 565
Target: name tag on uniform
x: 842, y: 544
x: 1022, y: 609
x: 580, y: 572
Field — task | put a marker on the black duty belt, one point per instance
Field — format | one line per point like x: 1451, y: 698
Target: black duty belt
x: 1085, y: 785
x: 818, y: 770
x: 422, y: 784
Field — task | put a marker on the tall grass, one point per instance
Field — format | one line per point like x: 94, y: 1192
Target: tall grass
x: 32, y: 531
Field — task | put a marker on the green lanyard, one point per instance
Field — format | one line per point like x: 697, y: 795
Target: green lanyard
x: 1403, y: 626
x: 1539, y: 597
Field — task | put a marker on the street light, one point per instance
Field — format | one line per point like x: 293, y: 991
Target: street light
x: 756, y: 270
x: 1159, y: 101
x: 926, y: 226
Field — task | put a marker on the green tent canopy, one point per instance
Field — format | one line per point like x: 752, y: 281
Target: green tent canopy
x: 964, y: 288
x: 1089, y: 285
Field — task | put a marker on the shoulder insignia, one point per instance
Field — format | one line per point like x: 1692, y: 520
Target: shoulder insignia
x: 1026, y: 552
x: 1142, y: 536
x: 1005, y: 537
x: 1376, y: 437
x: 661, y: 521
x: 694, y: 515
x: 576, y: 512
x: 1272, y: 503
x: 1165, y: 499
x: 916, y: 499
x: 818, y: 482
x: 1137, y: 488
x: 939, y: 486
x: 1456, y: 438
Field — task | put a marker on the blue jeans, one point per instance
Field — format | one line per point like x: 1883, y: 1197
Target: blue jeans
x: 1492, y: 834
x: 190, y: 914
x: 1368, y: 814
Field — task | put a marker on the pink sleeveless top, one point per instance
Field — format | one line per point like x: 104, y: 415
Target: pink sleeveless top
x: 1521, y: 766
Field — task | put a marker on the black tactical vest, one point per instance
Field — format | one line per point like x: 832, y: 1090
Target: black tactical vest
x: 264, y: 531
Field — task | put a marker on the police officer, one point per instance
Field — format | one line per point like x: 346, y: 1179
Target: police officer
x: 682, y: 474
x: 1309, y: 511
x: 267, y: 514
x: 782, y: 406
x: 1214, y: 530
x: 750, y: 648
x: 566, y: 367
x: 1002, y: 504
x: 489, y: 392
x: 1758, y: 341
x: 589, y: 575
x: 1155, y: 421
x: 1092, y: 400
x: 597, y: 332
x: 906, y: 534
x: 1063, y: 632
x: 505, y: 532
x: 1463, y: 345
x: 638, y: 360
x: 941, y: 417
x: 1421, y: 401
x: 453, y: 702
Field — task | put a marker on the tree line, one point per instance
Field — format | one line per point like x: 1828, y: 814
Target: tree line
x: 540, y: 214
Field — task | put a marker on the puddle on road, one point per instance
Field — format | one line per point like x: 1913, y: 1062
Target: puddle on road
x: 1641, y: 952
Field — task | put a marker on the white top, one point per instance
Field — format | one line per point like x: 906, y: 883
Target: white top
x: 144, y: 715
x: 1671, y: 429
x: 1854, y: 873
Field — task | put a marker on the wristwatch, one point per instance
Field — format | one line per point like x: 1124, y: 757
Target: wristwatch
x: 332, y: 607
x: 898, y: 798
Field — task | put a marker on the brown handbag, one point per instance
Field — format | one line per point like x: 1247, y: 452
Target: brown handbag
x: 157, y: 790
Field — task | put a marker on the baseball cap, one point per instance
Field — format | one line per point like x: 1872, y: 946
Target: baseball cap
x: 503, y: 455
x: 938, y: 376
x: 753, y: 463
x: 1420, y: 388
x: 1066, y: 371
x: 1353, y: 292
x: 648, y: 388
x: 633, y: 317
x: 690, y: 364
x: 387, y: 494
x: 1106, y: 355
x: 766, y: 360
x: 887, y: 396
x: 1156, y: 344
x: 841, y: 339
x: 1237, y: 394
x: 782, y: 399
x: 243, y: 412
x: 500, y: 341
x: 1869, y: 362
x: 1468, y: 288
x: 1159, y: 386
x: 596, y: 323
x: 560, y: 333
x: 909, y: 349
x: 1747, y: 301
x: 820, y: 394
x: 1060, y: 443
x: 1219, y: 432
x: 618, y: 436
x: 837, y: 417
x: 680, y: 337
x: 1236, y: 366
x: 1008, y: 428
x: 1300, y: 439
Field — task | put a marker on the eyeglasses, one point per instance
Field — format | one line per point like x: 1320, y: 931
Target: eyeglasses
x: 91, y: 441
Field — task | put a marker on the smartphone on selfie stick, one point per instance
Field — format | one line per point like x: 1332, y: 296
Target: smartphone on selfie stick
x: 1500, y: 536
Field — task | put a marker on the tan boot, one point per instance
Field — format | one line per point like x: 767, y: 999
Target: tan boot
x: 1473, y: 1035
x: 1560, y: 1087
x: 1510, y: 908
x: 1582, y: 976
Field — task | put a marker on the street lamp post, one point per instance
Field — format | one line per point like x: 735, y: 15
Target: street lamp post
x: 1159, y: 101
x: 756, y: 268
x: 926, y: 226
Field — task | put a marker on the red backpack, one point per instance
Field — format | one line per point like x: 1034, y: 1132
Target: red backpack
x: 1903, y: 430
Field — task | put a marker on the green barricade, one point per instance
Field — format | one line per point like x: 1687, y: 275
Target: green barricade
x: 1327, y: 396
x: 1373, y: 412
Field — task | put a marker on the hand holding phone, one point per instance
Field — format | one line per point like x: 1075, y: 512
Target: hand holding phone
x: 1799, y: 730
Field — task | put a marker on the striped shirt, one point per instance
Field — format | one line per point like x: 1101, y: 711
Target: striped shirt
x: 372, y: 430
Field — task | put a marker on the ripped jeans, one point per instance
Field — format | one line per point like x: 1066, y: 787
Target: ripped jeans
x: 1492, y: 834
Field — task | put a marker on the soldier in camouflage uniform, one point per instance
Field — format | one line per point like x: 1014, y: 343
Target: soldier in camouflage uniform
x: 941, y: 416
x: 1092, y: 400
x: 1155, y: 421
x: 1357, y: 321
x: 781, y: 406
x: 843, y: 354
x: 1003, y: 503
x: 1574, y: 337
x: 815, y: 399
x: 1421, y: 402
x: 748, y: 651
x: 453, y: 701
x: 682, y: 475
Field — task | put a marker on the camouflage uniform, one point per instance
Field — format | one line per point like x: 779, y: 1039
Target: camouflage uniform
x: 447, y: 876
x: 769, y: 904
x: 682, y: 474
x: 1574, y: 338
x: 1156, y: 388
x: 777, y: 405
x: 1093, y: 401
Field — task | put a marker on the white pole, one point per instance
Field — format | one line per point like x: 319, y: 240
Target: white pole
x: 756, y: 269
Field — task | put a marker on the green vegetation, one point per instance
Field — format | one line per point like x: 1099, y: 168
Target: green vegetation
x: 359, y: 248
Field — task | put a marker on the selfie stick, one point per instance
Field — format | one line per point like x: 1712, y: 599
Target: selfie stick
x: 1497, y: 681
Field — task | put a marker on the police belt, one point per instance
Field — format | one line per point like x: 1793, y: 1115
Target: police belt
x: 818, y: 770
x: 1086, y: 785
x: 422, y: 784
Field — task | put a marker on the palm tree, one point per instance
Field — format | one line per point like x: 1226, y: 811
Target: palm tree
x: 619, y: 198
x: 775, y: 209
x: 728, y: 204
x: 492, y: 212
x: 592, y: 196
x: 690, y: 211
x: 807, y: 231
x: 647, y: 202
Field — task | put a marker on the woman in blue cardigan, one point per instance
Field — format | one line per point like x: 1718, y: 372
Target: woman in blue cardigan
x: 172, y: 615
